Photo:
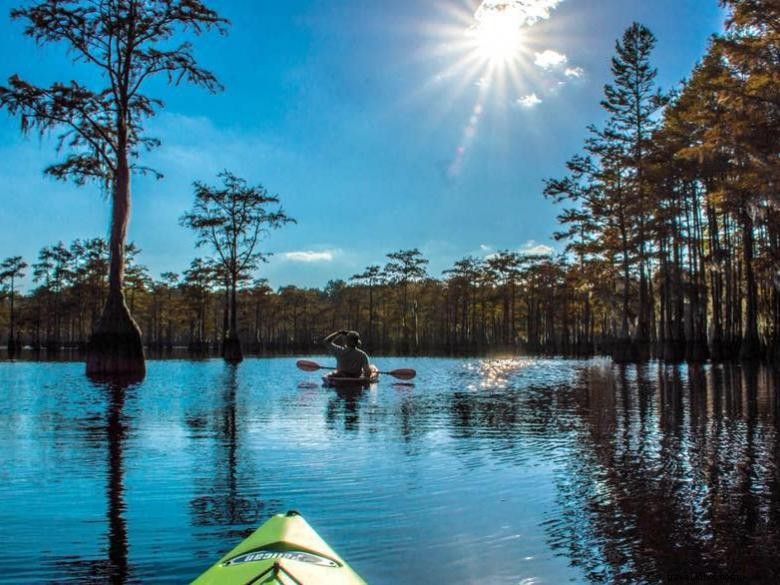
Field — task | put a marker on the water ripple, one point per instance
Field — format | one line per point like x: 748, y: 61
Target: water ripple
x: 505, y: 470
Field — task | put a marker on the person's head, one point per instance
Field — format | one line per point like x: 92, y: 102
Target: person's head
x: 353, y: 339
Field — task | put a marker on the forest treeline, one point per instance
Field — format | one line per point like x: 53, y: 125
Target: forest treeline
x: 509, y: 300
x: 669, y: 218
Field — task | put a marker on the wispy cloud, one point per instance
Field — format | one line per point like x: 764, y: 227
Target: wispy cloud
x: 549, y: 59
x: 310, y: 255
x: 194, y: 147
x: 574, y: 72
x: 529, y: 101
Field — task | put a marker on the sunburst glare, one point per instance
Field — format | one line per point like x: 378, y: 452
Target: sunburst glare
x: 496, y: 34
x: 493, y: 46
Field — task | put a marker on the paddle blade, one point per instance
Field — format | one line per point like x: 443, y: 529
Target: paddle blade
x: 402, y: 373
x: 308, y: 366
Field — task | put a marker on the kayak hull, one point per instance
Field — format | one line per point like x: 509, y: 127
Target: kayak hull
x: 284, y: 551
x: 331, y: 381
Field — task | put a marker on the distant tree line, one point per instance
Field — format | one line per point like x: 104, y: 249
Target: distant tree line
x: 508, y: 301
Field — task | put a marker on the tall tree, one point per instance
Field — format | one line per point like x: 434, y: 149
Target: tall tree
x: 462, y: 281
x: 11, y: 269
x: 406, y: 267
x: 127, y: 42
x: 232, y: 220
x: 169, y: 281
x: 505, y: 266
x: 53, y: 270
x: 632, y: 102
x: 748, y: 87
x: 196, y: 286
x: 370, y: 277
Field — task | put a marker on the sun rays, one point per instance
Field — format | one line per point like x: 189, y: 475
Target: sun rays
x: 496, y: 48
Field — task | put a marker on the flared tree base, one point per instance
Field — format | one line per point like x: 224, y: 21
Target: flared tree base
x: 116, y: 348
x: 231, y: 350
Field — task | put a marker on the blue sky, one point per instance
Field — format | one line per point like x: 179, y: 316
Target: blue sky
x: 381, y: 125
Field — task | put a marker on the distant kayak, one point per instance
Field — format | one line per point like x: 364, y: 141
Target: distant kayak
x: 333, y: 381
x: 283, y: 551
x: 310, y: 366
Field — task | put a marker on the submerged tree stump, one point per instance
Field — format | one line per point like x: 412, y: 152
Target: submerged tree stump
x: 116, y: 347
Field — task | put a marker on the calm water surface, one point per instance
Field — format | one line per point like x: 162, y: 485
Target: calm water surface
x: 507, y: 471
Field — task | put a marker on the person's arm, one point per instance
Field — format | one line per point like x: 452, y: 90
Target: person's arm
x: 327, y: 341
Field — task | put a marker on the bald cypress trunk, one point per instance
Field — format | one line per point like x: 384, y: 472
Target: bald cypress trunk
x: 231, y: 349
x: 115, y: 347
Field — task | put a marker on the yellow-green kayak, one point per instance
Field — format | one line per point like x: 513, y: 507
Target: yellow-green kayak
x: 283, y: 551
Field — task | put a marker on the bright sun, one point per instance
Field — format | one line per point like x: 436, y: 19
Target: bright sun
x: 497, y: 37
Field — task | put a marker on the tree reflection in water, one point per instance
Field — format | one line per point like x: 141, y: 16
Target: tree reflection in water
x: 229, y: 498
x: 114, y: 568
x: 676, y: 481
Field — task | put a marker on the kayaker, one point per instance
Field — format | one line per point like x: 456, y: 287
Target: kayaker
x: 350, y: 359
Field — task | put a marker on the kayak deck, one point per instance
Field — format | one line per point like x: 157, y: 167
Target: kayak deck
x: 283, y: 551
x: 331, y: 381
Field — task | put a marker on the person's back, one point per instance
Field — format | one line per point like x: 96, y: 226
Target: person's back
x: 350, y: 359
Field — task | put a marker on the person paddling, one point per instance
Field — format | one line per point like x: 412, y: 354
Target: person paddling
x: 351, y: 361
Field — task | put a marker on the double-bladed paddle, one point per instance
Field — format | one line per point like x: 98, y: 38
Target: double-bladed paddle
x: 401, y: 373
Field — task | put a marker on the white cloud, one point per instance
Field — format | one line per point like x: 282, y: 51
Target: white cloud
x: 525, y: 12
x: 310, y: 256
x: 485, y: 247
x: 574, y: 72
x: 529, y: 101
x: 532, y: 247
x: 549, y: 59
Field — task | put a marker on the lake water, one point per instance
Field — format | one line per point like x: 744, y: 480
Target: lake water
x: 520, y: 471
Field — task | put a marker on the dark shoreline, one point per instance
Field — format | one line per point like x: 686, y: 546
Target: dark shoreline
x: 182, y: 353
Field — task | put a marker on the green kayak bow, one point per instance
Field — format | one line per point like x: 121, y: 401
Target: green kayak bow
x: 283, y: 551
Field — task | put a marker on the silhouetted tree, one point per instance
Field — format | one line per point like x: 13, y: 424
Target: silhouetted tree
x: 127, y: 42
x: 12, y: 269
x: 232, y: 220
